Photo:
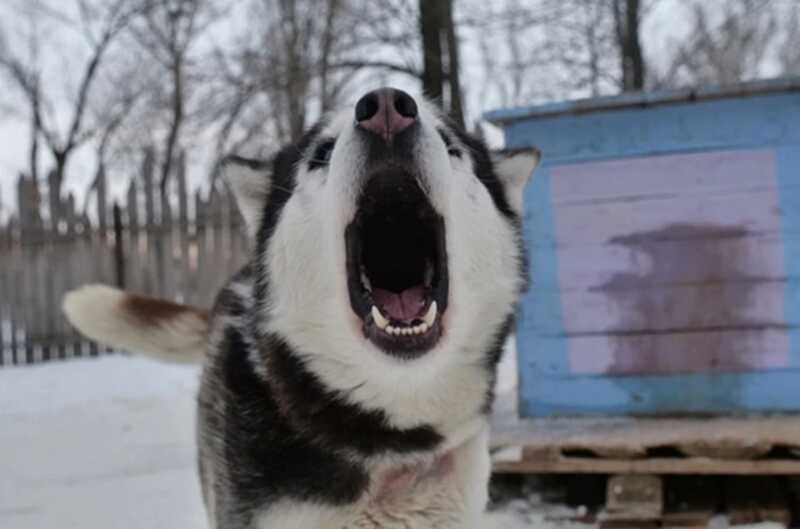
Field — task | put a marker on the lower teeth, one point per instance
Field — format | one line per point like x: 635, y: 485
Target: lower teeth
x: 407, y: 331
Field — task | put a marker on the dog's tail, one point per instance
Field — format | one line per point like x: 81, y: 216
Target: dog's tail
x: 149, y: 326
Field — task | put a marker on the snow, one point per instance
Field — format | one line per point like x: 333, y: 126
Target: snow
x: 103, y: 443
x: 108, y: 443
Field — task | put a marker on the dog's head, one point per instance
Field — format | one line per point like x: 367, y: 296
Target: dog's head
x: 389, y: 252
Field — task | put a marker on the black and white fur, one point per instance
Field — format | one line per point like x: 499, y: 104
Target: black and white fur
x: 305, y: 423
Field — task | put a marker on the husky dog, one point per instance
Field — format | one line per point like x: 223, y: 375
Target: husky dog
x: 349, y: 366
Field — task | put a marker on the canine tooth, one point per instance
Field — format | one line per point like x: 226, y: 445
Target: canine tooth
x: 428, y: 273
x: 365, y: 281
x: 423, y: 327
x: 430, y: 316
x: 378, y: 318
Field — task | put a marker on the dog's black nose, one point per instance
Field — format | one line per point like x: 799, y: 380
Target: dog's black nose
x: 386, y: 112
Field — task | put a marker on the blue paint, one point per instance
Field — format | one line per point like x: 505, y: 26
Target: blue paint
x: 723, y: 124
x: 788, y: 175
x: 641, y: 125
x: 689, y: 394
x: 540, y: 311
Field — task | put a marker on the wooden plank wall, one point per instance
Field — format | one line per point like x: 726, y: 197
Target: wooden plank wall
x: 664, y: 260
x: 155, y: 244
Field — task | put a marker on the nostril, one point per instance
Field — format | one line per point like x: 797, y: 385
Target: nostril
x: 385, y: 112
x: 367, y: 107
x: 405, y: 104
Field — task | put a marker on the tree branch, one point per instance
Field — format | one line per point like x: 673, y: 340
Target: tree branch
x: 358, y: 64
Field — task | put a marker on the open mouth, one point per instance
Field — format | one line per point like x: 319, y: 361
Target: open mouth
x: 397, y: 265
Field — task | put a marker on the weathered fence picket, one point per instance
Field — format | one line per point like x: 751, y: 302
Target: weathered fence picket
x: 167, y: 249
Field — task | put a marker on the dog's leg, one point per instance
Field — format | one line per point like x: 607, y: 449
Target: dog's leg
x: 472, y: 470
x: 302, y: 515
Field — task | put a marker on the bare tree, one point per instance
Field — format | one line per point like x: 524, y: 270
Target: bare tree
x: 431, y: 20
x: 28, y: 80
x: 290, y: 64
x: 129, y: 84
x: 286, y: 67
x: 584, y: 43
x: 453, y: 66
x: 627, y: 23
x: 276, y: 65
x: 546, y: 49
x: 727, y: 52
x: 789, y: 50
x: 168, y: 30
x: 99, y: 25
x: 299, y: 63
x: 385, y: 39
x: 440, y: 75
x: 327, y: 46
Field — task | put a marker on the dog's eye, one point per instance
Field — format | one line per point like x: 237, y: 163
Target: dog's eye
x: 452, y: 150
x: 322, y: 154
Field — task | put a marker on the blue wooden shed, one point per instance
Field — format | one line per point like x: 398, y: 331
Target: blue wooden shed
x: 664, y: 240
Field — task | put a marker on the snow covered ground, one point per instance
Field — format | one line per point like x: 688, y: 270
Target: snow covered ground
x: 109, y: 444
x: 105, y: 443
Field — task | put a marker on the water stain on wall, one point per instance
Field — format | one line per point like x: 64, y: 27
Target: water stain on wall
x: 685, y: 313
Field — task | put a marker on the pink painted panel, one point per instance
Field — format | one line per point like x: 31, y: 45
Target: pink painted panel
x: 705, y: 172
x: 593, y: 222
x: 675, y: 307
x: 694, y: 352
x: 584, y: 266
x: 671, y: 264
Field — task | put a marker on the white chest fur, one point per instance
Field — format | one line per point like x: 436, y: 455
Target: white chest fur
x: 447, y: 492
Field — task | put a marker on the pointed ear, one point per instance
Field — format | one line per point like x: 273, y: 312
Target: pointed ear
x: 514, y: 168
x: 249, y: 180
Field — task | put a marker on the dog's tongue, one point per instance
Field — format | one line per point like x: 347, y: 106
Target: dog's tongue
x: 403, y: 306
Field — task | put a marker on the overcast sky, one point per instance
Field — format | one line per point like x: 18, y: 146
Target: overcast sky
x: 663, y: 28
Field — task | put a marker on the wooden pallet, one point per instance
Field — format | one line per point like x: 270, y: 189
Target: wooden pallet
x: 691, y: 502
x: 740, y: 446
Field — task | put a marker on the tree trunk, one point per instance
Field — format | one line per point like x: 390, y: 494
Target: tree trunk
x: 296, y: 88
x: 456, y: 105
x: 431, y: 30
x: 626, y: 19
x: 35, y: 130
x: 55, y: 180
x: 177, y: 120
x: 326, y: 94
x: 440, y: 56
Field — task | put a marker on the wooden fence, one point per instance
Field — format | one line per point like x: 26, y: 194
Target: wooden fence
x: 157, y: 242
